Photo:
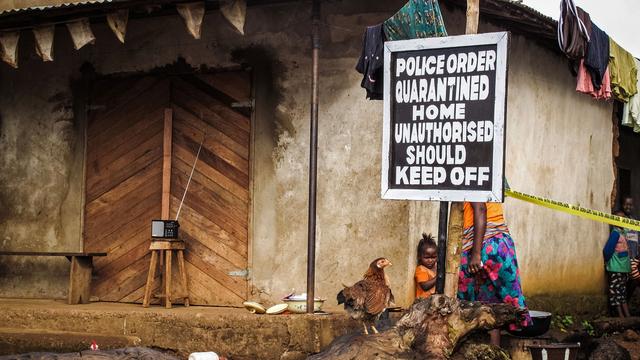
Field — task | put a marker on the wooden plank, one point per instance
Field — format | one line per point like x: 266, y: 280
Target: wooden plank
x: 109, y: 176
x: 80, y: 280
x: 204, y: 202
x: 132, y: 137
x: 125, y: 282
x: 199, y: 255
x: 125, y: 99
x: 213, y: 160
x: 119, y: 241
x: 137, y: 296
x: 187, y: 130
x: 218, y: 99
x: 236, y: 84
x: 51, y: 253
x: 187, y: 157
x: 149, y: 112
x: 130, y: 186
x: 235, y: 259
x: 193, y: 219
x: 105, y: 216
x: 200, y: 285
x: 139, y: 250
x: 100, y: 233
x: 166, y: 162
x: 222, y: 195
x: 201, y: 126
x: 232, y: 124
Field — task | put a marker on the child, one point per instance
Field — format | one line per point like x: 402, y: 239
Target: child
x: 427, y: 267
x: 618, y: 266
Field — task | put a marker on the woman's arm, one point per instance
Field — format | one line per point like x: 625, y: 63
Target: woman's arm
x: 479, y: 226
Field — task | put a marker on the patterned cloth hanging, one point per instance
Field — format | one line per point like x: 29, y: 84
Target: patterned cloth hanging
x: 44, y: 41
x: 417, y: 19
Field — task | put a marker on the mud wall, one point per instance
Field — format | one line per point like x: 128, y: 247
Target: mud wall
x: 559, y: 145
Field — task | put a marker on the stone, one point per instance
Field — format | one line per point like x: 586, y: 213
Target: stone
x: 609, y: 350
x: 631, y: 335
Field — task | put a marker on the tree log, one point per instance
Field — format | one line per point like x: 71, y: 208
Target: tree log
x: 609, y: 325
x: 431, y: 328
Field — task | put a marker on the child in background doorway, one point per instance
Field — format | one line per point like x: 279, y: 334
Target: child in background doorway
x: 427, y: 267
x: 618, y: 266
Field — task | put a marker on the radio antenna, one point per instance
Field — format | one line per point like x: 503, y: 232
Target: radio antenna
x: 190, y: 176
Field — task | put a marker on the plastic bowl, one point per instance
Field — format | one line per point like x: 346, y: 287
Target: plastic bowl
x: 541, y: 323
x: 300, y: 306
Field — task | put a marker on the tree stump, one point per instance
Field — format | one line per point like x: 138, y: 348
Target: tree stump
x: 430, y: 329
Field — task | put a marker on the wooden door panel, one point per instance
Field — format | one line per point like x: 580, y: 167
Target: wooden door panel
x: 124, y: 182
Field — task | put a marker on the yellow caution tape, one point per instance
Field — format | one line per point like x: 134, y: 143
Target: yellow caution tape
x: 576, y: 210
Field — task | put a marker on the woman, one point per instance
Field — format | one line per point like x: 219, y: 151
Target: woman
x: 488, y: 267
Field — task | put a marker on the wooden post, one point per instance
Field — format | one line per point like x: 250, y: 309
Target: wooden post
x: 456, y: 218
x: 80, y: 280
x: 166, y: 180
x: 166, y: 162
x: 472, y: 16
x: 454, y: 248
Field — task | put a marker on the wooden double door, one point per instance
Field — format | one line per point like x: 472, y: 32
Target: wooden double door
x: 124, y: 163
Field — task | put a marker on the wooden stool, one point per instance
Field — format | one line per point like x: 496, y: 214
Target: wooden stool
x: 163, y: 249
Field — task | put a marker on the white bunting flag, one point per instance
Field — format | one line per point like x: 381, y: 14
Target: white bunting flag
x: 235, y: 11
x: 118, y: 23
x: 44, y: 41
x: 192, y: 14
x: 9, y: 47
x: 81, y: 33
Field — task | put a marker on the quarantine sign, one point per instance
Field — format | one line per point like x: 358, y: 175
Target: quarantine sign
x: 444, y: 118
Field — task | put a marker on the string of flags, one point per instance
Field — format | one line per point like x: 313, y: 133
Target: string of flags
x: 81, y: 34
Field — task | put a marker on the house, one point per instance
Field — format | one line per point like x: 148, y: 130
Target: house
x: 81, y: 153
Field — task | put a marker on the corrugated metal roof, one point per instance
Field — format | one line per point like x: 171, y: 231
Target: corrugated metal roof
x: 7, y: 8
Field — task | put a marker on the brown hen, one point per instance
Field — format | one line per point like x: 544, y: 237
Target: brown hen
x: 369, y: 297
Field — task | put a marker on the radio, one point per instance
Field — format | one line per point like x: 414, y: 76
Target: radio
x: 167, y: 229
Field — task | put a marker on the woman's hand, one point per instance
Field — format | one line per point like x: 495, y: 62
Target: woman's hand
x: 475, y: 265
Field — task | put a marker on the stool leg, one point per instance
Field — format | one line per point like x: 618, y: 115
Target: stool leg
x: 151, y: 275
x: 183, y: 275
x: 163, y: 277
x: 167, y: 275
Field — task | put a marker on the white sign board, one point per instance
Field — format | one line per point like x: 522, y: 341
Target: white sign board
x: 444, y: 118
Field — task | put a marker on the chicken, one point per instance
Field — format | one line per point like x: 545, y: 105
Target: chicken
x: 369, y: 297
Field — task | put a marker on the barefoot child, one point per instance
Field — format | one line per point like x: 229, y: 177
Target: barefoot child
x: 618, y: 266
x: 427, y: 268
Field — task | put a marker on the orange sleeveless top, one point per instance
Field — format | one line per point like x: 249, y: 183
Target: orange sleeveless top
x: 495, y: 223
x: 494, y: 214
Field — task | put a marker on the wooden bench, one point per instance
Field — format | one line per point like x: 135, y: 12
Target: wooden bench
x: 79, y: 275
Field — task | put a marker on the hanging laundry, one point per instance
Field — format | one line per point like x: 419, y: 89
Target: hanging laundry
x: 596, y: 58
x: 371, y: 62
x: 574, y: 29
x: 9, y: 47
x: 624, y: 76
x: 81, y: 33
x: 415, y: 20
x: 631, y: 110
x: 585, y: 85
x: 118, y: 23
x: 44, y: 41
x: 192, y: 14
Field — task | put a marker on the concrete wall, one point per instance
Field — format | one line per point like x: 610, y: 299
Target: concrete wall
x: 559, y: 145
